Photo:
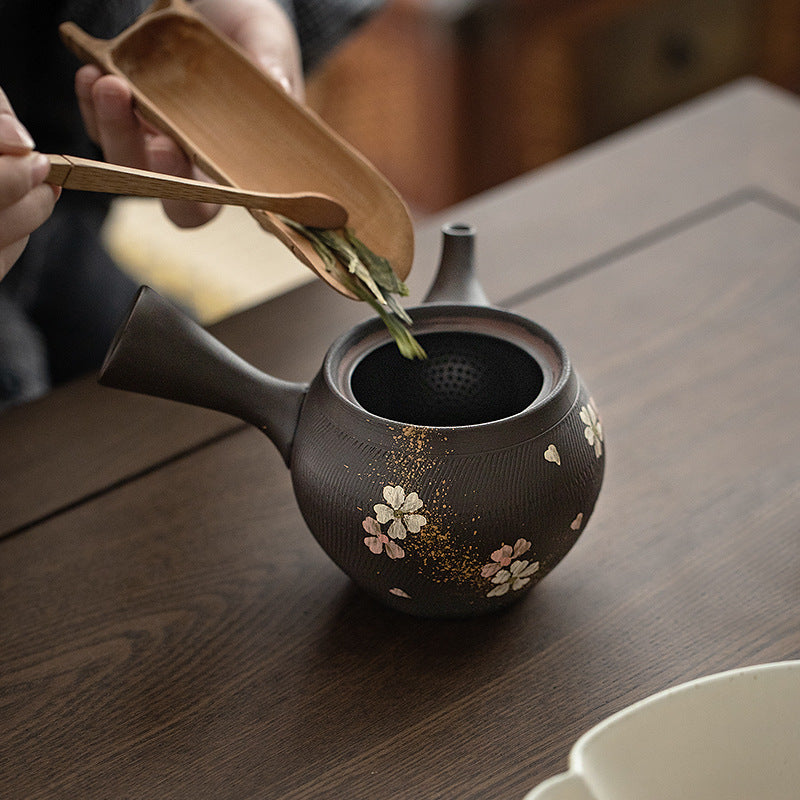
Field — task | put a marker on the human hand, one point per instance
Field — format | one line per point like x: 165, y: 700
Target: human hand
x: 261, y: 27
x: 25, y: 200
x: 263, y: 30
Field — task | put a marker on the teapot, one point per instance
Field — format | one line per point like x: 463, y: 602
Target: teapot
x: 443, y: 487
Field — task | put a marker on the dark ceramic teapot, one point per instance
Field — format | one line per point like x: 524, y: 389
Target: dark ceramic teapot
x: 443, y: 487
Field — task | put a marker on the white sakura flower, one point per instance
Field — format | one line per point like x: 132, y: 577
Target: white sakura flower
x: 515, y: 577
x: 594, y: 429
x: 400, y: 512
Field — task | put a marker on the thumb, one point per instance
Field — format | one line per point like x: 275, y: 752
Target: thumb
x: 14, y: 138
x: 266, y: 32
x: 273, y: 45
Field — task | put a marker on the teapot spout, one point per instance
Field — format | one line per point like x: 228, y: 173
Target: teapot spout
x: 455, y: 280
x: 160, y: 351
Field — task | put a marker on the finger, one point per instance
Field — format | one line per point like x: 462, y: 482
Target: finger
x: 290, y: 80
x: 119, y: 133
x: 26, y: 215
x: 266, y: 32
x: 85, y: 79
x: 5, y: 104
x: 272, y: 43
x: 14, y: 138
x: 165, y: 156
x: 19, y: 220
x: 20, y: 174
x: 10, y: 254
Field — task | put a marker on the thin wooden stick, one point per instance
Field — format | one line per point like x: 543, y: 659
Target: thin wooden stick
x: 310, y: 208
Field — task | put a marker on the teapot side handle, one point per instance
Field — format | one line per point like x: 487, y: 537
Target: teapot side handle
x: 456, y: 281
x: 160, y: 351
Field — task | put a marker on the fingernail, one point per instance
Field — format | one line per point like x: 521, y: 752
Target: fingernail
x: 276, y: 73
x: 13, y: 133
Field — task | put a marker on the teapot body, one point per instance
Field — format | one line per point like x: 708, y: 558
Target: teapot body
x: 438, y: 519
x: 446, y: 486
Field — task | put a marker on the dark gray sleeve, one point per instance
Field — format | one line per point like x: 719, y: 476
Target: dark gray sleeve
x: 322, y: 24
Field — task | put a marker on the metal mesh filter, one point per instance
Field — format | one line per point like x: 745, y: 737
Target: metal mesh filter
x: 467, y: 379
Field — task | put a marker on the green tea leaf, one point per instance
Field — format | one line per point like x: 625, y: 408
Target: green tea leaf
x: 378, y: 266
x: 365, y: 274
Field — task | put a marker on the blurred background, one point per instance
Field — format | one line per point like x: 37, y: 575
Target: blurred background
x: 451, y: 97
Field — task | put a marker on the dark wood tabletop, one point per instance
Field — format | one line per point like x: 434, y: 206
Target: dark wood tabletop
x: 169, y: 627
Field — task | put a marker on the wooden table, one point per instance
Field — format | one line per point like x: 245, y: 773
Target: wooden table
x: 169, y: 628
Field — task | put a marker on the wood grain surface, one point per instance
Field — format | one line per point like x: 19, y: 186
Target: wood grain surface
x: 85, y: 174
x: 169, y: 627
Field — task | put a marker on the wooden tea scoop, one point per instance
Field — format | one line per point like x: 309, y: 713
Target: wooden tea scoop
x: 242, y: 128
x: 71, y: 172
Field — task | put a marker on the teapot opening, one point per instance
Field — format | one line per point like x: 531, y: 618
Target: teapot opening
x: 468, y: 379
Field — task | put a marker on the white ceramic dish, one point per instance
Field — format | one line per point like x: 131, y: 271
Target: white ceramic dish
x: 730, y: 736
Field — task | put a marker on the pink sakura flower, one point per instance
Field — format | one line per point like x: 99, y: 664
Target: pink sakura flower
x: 379, y: 540
x: 504, y: 556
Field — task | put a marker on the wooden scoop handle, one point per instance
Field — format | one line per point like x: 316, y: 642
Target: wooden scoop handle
x: 310, y: 208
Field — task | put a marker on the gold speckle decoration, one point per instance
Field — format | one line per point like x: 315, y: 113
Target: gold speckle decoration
x: 433, y: 548
x: 577, y: 522
x: 552, y: 455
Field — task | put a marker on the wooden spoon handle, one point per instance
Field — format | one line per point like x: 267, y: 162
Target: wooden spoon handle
x: 310, y: 208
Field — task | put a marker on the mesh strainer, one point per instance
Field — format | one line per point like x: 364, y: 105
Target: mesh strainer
x: 467, y: 379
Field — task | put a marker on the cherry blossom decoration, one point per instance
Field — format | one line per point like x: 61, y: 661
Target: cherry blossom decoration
x: 400, y: 512
x: 507, y: 571
x: 379, y: 540
x: 594, y: 429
